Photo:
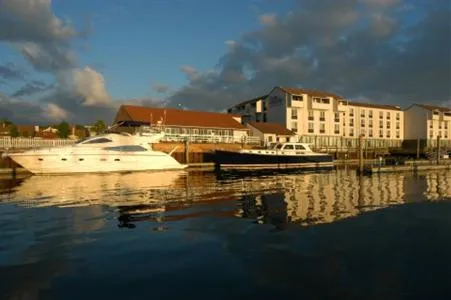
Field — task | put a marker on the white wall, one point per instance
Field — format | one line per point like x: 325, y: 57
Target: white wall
x: 415, y: 123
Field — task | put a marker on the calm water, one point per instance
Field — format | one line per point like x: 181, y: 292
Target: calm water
x: 178, y: 235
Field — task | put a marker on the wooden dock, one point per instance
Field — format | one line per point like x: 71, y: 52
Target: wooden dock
x: 410, y: 167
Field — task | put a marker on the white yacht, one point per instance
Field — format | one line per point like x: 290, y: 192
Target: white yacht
x: 109, y: 152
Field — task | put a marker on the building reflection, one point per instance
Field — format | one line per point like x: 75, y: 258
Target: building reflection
x: 165, y: 197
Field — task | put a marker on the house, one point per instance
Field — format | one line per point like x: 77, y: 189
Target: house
x: 427, y: 122
x: 184, y: 122
x: 271, y: 132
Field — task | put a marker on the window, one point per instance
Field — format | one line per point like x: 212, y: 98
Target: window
x: 310, y: 114
x: 439, y: 125
x: 370, y: 114
x: 370, y: 133
x: 322, y: 128
x: 310, y: 127
x: 337, y: 128
x: 362, y: 122
x: 270, y: 138
x: 294, y: 126
x: 351, y: 122
x: 351, y: 112
x: 398, y: 116
x: 388, y: 124
x: 381, y: 115
x: 362, y: 113
x: 351, y: 132
x: 431, y: 124
x: 370, y: 123
x: 294, y: 114
x: 322, y: 116
x: 127, y: 148
x: 397, y: 134
x: 388, y: 115
x: 397, y: 125
x: 388, y: 133
x: 98, y: 141
x: 296, y: 98
x: 446, y: 124
x: 288, y: 147
x: 337, y: 117
x: 381, y: 133
x: 299, y: 147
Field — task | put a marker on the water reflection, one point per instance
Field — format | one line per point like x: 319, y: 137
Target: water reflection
x: 304, y: 199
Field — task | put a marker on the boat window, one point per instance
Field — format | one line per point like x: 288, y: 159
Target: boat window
x: 98, y: 141
x: 288, y: 147
x: 300, y: 147
x: 279, y: 146
x: 127, y: 148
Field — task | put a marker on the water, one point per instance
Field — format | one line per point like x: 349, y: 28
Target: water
x: 179, y: 235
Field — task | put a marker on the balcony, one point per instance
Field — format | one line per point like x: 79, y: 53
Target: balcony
x: 310, y: 131
x: 322, y: 131
x: 311, y: 118
x: 322, y: 119
x: 337, y: 131
x: 297, y: 103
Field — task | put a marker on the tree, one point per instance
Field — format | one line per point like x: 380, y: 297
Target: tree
x: 99, y: 126
x: 63, y: 130
x: 13, y: 131
x: 6, y: 121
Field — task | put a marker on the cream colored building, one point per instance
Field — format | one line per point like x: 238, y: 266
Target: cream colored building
x: 427, y: 122
x: 271, y: 132
x: 327, y: 116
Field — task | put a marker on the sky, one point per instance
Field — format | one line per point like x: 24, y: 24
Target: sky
x: 79, y: 61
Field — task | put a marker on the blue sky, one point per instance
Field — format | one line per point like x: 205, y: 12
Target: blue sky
x: 137, y: 43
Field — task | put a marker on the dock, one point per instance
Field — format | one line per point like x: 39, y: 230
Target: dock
x: 409, y: 167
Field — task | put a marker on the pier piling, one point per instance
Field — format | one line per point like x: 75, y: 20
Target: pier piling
x: 438, y: 149
x: 187, y: 151
x: 361, y: 154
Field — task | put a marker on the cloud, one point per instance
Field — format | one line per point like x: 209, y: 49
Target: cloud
x: 357, y: 48
x: 161, y: 88
x: 32, y: 88
x: 10, y: 71
x: 55, y: 113
x: 268, y: 19
x: 46, y: 41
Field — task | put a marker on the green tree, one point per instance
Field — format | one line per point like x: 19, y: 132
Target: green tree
x: 6, y: 121
x: 99, y: 126
x: 63, y: 130
x: 13, y: 131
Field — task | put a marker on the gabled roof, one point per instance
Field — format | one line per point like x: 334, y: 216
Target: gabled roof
x: 273, y: 128
x: 310, y: 92
x: 252, y: 100
x: 373, y: 105
x: 434, y: 107
x: 177, y: 117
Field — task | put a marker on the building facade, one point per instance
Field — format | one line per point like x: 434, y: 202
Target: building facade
x: 180, y: 124
x: 326, y: 118
x: 271, y: 132
x: 427, y: 122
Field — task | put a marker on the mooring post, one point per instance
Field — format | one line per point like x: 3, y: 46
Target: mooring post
x: 418, y: 148
x: 361, y: 154
x: 438, y: 149
x: 186, y: 151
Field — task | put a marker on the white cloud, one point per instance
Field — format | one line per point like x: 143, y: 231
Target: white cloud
x: 90, y: 85
x: 55, y: 113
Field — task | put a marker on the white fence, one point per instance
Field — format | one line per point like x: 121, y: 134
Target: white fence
x: 211, y: 139
x: 25, y: 143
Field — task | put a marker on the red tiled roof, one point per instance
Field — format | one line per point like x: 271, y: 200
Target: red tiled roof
x: 373, y: 105
x: 315, y: 93
x: 273, y: 128
x: 434, y: 107
x: 177, y: 117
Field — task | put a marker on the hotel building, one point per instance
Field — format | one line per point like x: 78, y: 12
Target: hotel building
x: 427, y: 122
x: 324, y: 118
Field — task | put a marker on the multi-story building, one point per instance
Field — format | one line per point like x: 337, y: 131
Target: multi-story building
x: 323, y: 115
x: 427, y: 122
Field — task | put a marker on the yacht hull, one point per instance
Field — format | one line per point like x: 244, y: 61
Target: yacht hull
x: 239, y: 160
x: 53, y: 163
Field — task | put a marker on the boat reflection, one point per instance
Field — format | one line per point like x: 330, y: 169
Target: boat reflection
x: 166, y: 197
